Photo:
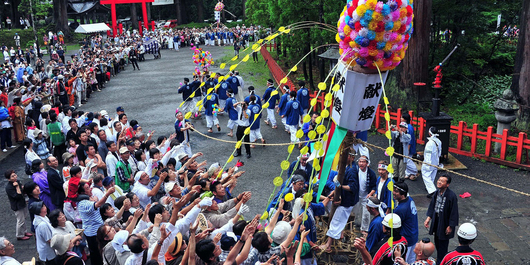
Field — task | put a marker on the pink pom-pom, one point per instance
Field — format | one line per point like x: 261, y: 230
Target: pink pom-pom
x: 387, y: 36
x: 395, y: 15
x: 387, y: 63
x: 409, y: 20
x: 364, y: 52
x: 394, y: 48
x: 343, y: 45
x: 380, y: 55
x: 379, y: 7
x: 393, y: 36
x: 353, y: 35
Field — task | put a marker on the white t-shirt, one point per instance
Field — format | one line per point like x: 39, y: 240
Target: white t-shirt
x: 141, y: 191
x: 362, y: 183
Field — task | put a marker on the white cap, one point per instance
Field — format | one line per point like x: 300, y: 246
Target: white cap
x: 467, y: 231
x: 169, y: 186
x: 280, y: 232
x: 396, y: 220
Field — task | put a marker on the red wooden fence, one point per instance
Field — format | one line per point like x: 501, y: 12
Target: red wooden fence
x: 461, y: 132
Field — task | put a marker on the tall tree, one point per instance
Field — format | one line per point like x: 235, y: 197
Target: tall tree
x: 134, y: 16
x: 521, y: 77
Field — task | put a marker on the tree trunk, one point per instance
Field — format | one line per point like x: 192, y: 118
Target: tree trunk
x: 520, y: 82
x: 343, y: 160
x: 416, y: 61
x: 200, y: 10
x: 61, y: 24
x: 134, y: 16
x: 177, y: 9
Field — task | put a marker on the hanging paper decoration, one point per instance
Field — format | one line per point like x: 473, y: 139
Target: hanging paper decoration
x: 372, y: 32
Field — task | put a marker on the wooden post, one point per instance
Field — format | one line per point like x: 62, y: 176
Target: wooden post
x: 474, y: 138
x: 343, y: 160
x: 489, y: 138
x: 144, y: 15
x: 113, y: 14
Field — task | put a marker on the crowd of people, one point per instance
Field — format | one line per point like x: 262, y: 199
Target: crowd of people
x: 103, y: 190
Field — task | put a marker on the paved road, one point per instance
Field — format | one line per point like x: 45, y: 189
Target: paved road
x: 150, y: 97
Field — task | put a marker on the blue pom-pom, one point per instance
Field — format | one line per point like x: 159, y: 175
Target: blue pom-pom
x: 360, y: 61
x: 359, y: 40
x: 364, y: 22
x: 365, y: 42
x: 368, y: 15
x: 387, y: 55
x: 381, y: 45
x: 389, y: 25
x: 386, y: 10
x: 370, y: 35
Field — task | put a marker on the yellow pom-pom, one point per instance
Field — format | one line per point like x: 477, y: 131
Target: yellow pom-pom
x: 390, y: 151
x: 391, y: 239
x: 347, y: 30
x: 264, y: 216
x: 209, y: 97
x: 337, y: 38
x: 321, y: 152
x: 305, y: 217
x: 390, y: 169
x: 239, y: 143
x: 290, y: 148
x: 180, y: 106
x: 210, y: 90
x: 287, y: 31
x: 230, y: 159
x: 213, y: 75
x: 321, y: 129
x: 222, y: 66
x: 200, y: 107
x: 192, y: 94
x: 289, y: 197
x: 294, y: 68
x: 306, y: 119
x: 311, y: 135
x: 245, y: 58
x: 387, y: 116
x: 322, y: 86
x: 233, y: 67
x: 187, y: 116
x: 275, y: 92
x: 318, y: 120
x: 198, y: 103
x: 299, y: 133
x: 247, y: 131
x: 388, y: 135
x: 260, y: 41
x: 278, y: 181
x: 336, y: 87
x: 234, y: 58
x: 266, y: 105
x: 257, y: 49
x: 308, y: 197
x: 313, y: 102
x: 372, y: 25
x: 325, y: 113
x: 318, y: 145
x: 327, y: 103
x: 285, y: 165
x: 361, y: 10
x: 202, y: 84
x: 392, y: 204
x: 221, y: 78
x: 390, y: 186
x: 218, y: 85
x: 255, y: 46
x: 304, y: 150
x: 328, y: 96
x: 317, y: 167
x: 281, y: 29
x: 284, y: 80
x: 385, y: 99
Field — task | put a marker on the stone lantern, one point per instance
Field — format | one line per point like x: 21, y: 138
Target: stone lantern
x: 505, y: 113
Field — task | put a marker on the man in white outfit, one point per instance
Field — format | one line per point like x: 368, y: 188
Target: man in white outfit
x: 431, y: 155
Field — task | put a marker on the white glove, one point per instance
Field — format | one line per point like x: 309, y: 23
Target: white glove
x: 243, y: 209
x: 207, y: 201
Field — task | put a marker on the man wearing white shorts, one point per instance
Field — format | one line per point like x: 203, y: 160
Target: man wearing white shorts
x: 272, y: 99
x: 293, y: 113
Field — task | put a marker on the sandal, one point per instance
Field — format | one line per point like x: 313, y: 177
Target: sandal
x: 413, y: 177
x: 210, y: 131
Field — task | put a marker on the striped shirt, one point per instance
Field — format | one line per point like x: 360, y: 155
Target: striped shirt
x: 90, y: 216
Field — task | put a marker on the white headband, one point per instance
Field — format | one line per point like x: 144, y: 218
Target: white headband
x: 371, y: 204
x: 383, y: 166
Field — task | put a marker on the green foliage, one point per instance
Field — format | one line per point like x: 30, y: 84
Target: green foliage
x: 26, y: 36
x: 193, y: 25
x: 41, y: 9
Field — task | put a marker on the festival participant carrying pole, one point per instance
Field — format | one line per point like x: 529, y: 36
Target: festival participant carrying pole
x: 345, y: 150
x: 217, y: 13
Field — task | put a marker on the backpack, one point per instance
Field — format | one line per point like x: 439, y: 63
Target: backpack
x: 4, y: 114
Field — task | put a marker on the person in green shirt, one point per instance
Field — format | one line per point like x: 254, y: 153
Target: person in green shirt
x: 56, y: 136
x: 124, y: 177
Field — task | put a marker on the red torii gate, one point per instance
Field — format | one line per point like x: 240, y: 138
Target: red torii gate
x: 113, y: 4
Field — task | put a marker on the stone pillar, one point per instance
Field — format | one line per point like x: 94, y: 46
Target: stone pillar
x: 505, y: 113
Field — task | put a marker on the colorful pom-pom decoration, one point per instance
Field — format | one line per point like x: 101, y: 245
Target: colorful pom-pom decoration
x: 372, y: 32
x: 219, y: 6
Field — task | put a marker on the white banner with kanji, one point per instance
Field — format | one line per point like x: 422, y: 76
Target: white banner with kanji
x: 355, y: 103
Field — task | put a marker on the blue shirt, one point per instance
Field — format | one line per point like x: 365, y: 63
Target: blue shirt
x: 254, y: 109
x: 194, y: 85
x: 351, y: 197
x: 208, y: 103
x: 221, y: 90
x: 90, y: 216
x: 273, y: 99
x: 406, y: 209
x: 386, y: 195
x: 234, y: 83
x: 412, y: 146
x: 232, y: 112
x: 181, y: 135
x: 293, y: 112
x: 303, y: 97
x: 186, y: 91
x: 283, y: 104
x: 258, y: 100
x: 375, y: 232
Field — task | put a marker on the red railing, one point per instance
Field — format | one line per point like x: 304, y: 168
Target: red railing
x: 468, y: 140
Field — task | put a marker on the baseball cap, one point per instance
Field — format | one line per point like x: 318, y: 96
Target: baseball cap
x: 228, y: 240
x: 107, y: 181
x: 124, y: 150
x: 169, y: 186
x: 280, y: 232
x: 181, y: 156
x: 35, y: 207
x: 120, y: 108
